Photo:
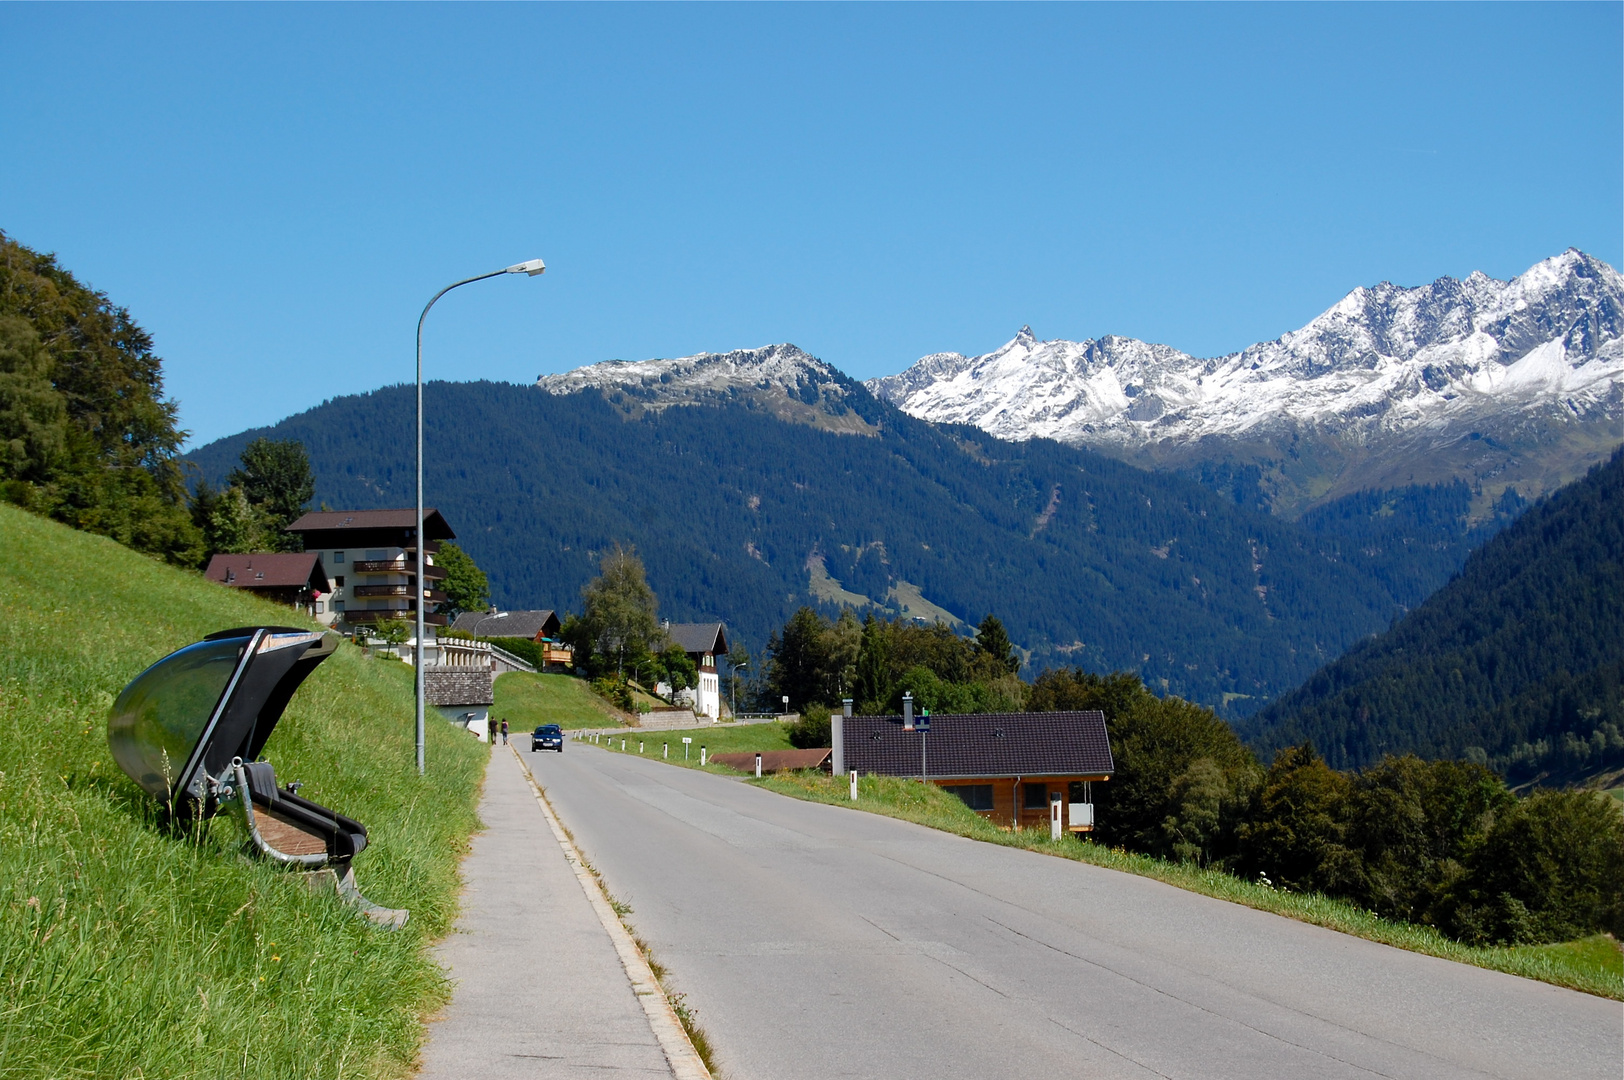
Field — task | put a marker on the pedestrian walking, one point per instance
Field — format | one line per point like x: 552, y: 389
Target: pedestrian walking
x: 504, y: 732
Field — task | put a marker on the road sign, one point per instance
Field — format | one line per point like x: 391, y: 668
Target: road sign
x: 686, y: 738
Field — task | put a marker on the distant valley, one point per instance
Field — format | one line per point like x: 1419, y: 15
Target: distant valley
x: 1301, y: 494
x: 743, y: 516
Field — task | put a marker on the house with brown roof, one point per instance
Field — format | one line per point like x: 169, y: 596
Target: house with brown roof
x: 703, y: 642
x: 1008, y: 767
x: 293, y: 578
x: 371, y: 559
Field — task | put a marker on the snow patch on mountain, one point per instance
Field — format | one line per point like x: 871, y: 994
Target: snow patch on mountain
x: 1381, y: 362
x: 784, y: 367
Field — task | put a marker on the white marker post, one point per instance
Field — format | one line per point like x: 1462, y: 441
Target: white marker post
x: 665, y: 751
x: 702, y: 755
x: 639, y: 746
x: 1054, y: 816
x: 685, y: 741
x: 854, y: 785
x: 758, y: 766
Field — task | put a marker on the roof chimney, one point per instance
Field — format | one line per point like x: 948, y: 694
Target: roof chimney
x: 837, y: 738
x: 907, y: 712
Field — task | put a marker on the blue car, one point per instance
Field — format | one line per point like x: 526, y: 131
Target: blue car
x: 547, y: 737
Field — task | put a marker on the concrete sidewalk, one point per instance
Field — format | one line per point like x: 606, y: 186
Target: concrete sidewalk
x: 540, y: 990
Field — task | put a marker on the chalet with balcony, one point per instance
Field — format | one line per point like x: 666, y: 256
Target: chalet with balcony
x: 541, y: 627
x: 1008, y: 767
x: 370, y: 557
x: 293, y: 578
x: 703, y: 642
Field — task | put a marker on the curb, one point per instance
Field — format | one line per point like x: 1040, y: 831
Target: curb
x: 662, y: 1019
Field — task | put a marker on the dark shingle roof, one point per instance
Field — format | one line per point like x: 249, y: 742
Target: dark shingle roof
x: 268, y: 570
x: 435, y: 527
x: 983, y: 744
x: 698, y: 637
x: 525, y: 624
x: 453, y: 686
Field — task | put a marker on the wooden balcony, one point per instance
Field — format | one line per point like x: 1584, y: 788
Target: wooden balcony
x: 403, y: 589
x: 396, y: 566
x: 372, y: 615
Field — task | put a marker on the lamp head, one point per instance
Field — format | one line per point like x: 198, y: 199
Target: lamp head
x: 529, y: 266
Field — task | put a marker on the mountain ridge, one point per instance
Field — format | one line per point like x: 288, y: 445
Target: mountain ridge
x: 742, y: 516
x: 1517, y: 662
x: 1501, y: 383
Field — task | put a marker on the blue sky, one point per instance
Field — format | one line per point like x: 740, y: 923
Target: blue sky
x: 275, y: 191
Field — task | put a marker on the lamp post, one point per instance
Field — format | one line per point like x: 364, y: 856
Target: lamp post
x: 733, y: 686
x: 531, y: 268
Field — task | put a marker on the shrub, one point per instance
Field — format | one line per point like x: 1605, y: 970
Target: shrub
x: 1296, y: 834
x: 812, y: 730
x: 1548, y: 870
x: 615, y: 689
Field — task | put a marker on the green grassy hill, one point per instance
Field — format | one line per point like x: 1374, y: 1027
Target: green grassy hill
x: 128, y: 951
x: 527, y: 701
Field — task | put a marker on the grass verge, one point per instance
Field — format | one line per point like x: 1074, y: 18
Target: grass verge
x: 1594, y: 965
x: 128, y: 951
x: 527, y: 701
x: 715, y: 738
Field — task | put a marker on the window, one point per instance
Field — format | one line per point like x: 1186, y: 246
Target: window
x: 338, y: 558
x: 338, y: 582
x: 975, y: 796
x: 375, y: 555
x: 321, y: 607
x: 338, y: 606
x: 1035, y: 796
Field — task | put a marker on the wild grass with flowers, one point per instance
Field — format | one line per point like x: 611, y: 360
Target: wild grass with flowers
x: 130, y: 950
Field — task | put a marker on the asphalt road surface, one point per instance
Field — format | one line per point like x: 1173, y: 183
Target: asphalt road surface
x: 815, y: 941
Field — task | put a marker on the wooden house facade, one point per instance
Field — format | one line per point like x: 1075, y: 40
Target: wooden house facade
x: 1008, y: 767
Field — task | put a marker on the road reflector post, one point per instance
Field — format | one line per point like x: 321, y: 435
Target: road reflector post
x: 639, y: 746
x: 1054, y: 815
x: 666, y: 751
x: 702, y: 755
x: 758, y: 766
x: 854, y: 785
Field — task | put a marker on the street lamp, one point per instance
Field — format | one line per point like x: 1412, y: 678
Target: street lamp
x: 531, y: 268
x: 733, y: 685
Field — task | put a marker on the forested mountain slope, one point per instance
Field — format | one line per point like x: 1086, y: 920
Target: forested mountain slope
x: 1519, y: 661
x: 743, y: 517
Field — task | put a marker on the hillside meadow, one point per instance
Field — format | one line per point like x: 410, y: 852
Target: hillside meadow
x: 129, y: 950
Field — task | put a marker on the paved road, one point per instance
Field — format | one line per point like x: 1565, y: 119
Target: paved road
x: 815, y: 941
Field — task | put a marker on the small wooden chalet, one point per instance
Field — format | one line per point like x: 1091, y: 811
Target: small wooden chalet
x: 1005, y: 766
x: 293, y: 578
x: 542, y: 627
x: 536, y: 625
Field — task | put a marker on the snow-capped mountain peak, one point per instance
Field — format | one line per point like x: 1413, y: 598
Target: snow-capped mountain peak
x: 1532, y: 360
x: 789, y: 382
